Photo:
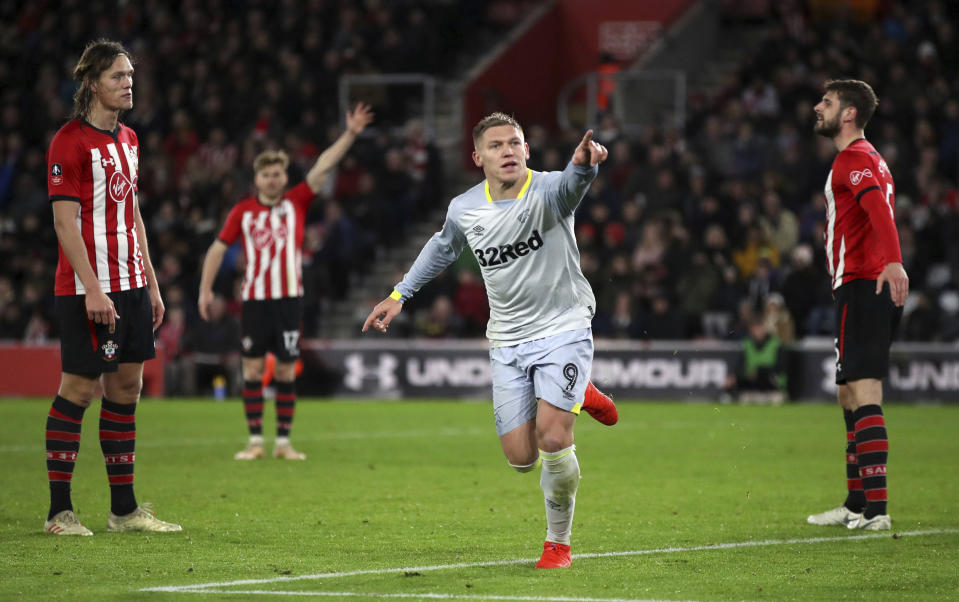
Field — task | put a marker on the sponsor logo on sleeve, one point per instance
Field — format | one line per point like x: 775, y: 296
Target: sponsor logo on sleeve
x: 56, y: 174
x: 856, y: 176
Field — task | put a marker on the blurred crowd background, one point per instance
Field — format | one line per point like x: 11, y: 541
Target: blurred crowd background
x: 686, y: 233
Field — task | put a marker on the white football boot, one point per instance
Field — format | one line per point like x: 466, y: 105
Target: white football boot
x: 880, y: 522
x: 837, y: 516
x: 141, y: 519
x: 65, y: 523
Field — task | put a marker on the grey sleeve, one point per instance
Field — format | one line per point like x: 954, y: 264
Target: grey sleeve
x: 442, y: 249
x: 568, y: 187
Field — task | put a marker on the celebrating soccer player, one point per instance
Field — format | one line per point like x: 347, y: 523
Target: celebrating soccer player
x: 519, y: 225
x: 869, y: 287
x: 107, y: 298
x: 271, y: 225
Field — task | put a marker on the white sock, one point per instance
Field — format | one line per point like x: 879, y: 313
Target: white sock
x: 282, y: 442
x: 256, y: 440
x: 559, y: 480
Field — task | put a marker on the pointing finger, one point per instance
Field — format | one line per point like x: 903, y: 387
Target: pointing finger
x: 586, y: 139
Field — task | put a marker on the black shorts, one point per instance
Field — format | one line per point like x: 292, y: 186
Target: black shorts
x: 272, y: 325
x: 90, y: 348
x: 865, y: 325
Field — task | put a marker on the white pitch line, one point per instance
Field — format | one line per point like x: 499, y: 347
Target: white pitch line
x: 205, y: 587
x: 428, y: 595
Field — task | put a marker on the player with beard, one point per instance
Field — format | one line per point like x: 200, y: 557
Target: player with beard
x: 869, y: 286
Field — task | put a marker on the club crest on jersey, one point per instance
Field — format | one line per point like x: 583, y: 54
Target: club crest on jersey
x: 247, y: 343
x: 856, y: 176
x: 120, y: 187
x: 523, y: 216
x: 109, y: 350
x: 56, y: 174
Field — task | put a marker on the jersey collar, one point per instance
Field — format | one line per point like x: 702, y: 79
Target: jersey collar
x: 107, y: 132
x: 522, y: 191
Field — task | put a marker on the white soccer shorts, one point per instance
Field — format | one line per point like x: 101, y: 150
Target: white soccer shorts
x: 555, y: 369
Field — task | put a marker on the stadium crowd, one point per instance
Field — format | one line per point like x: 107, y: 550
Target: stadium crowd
x: 693, y: 233
x: 685, y: 233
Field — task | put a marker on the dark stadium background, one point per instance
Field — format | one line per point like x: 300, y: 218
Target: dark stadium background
x: 709, y: 210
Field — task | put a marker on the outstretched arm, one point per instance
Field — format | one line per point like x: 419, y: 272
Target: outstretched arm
x: 356, y: 122
x: 576, y: 178
x: 440, y: 251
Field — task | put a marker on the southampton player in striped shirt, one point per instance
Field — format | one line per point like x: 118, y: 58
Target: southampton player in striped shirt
x: 870, y: 287
x: 518, y: 224
x: 108, y: 303
x: 270, y: 226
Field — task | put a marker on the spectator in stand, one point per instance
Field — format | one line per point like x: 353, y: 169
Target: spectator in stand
x: 761, y: 374
x: 779, y: 225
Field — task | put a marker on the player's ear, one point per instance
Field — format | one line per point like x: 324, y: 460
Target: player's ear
x: 526, y: 146
x: 477, y: 160
x: 850, y: 113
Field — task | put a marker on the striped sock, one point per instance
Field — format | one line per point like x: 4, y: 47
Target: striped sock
x: 63, y: 443
x: 118, y: 438
x: 285, y: 402
x: 855, y: 498
x: 872, y: 448
x: 253, y: 406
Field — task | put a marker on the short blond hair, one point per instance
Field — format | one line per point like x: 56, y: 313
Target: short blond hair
x: 494, y: 120
x: 271, y: 157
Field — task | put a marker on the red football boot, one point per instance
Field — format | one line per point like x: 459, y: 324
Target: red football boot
x: 600, y: 406
x: 555, y: 556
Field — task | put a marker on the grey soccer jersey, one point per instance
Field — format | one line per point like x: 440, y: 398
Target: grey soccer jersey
x: 526, y: 249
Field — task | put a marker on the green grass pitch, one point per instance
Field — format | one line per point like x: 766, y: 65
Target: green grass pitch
x: 414, y: 500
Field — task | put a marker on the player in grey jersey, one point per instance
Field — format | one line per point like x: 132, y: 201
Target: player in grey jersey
x: 519, y: 225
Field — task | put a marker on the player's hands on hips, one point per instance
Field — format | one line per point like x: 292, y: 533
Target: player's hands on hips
x: 383, y: 314
x: 100, y: 309
x: 589, y: 152
x: 359, y: 118
x: 898, y: 281
x: 159, y: 309
x: 203, y: 304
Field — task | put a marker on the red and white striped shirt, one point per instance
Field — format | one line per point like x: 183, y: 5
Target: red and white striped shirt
x: 273, y: 241
x: 860, y: 233
x: 99, y: 170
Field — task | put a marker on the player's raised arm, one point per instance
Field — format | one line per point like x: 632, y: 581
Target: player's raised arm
x: 589, y: 153
x: 356, y: 122
x: 578, y: 175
